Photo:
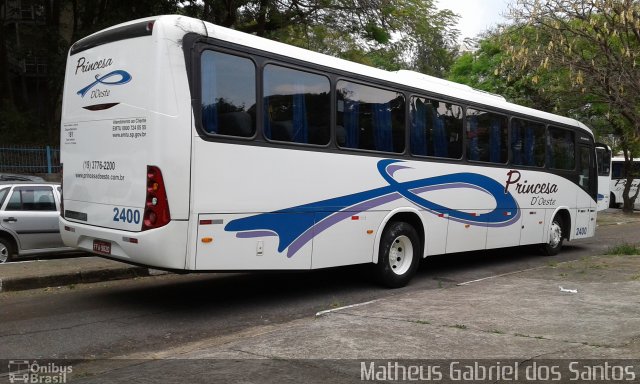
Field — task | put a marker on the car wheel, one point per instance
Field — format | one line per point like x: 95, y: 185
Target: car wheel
x: 556, y: 237
x: 399, y: 255
x: 6, y: 250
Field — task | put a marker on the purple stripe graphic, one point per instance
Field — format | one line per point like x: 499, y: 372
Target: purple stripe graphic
x: 448, y: 186
x: 251, y: 234
x: 338, y: 217
x: 391, y: 169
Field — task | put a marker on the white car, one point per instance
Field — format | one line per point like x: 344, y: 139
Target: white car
x: 29, y: 214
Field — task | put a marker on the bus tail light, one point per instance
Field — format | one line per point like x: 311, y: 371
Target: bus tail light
x: 156, y: 208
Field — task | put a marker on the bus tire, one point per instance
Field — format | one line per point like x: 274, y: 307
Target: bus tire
x: 6, y: 250
x: 612, y: 201
x: 399, y: 255
x: 556, y: 237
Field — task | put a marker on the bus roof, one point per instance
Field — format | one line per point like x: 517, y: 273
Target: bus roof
x: 174, y: 26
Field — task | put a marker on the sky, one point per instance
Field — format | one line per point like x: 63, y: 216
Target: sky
x: 476, y: 16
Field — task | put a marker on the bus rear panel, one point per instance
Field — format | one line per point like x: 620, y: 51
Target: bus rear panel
x: 126, y: 123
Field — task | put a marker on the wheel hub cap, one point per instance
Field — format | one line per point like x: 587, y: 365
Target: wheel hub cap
x: 401, y: 255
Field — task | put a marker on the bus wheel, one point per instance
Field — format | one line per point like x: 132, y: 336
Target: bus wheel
x: 6, y: 250
x: 399, y: 255
x: 612, y: 201
x: 556, y: 237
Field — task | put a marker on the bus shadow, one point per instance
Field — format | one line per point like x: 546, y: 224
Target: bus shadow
x: 311, y: 291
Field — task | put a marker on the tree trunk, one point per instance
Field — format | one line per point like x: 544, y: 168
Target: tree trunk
x: 628, y: 199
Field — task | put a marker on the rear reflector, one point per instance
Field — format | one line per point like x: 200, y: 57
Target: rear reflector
x: 131, y: 240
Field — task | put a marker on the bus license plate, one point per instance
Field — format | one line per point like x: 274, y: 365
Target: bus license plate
x: 102, y: 247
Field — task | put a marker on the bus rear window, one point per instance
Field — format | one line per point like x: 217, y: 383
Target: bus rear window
x: 228, y: 86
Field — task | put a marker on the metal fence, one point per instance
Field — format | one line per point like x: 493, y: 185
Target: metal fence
x: 23, y: 159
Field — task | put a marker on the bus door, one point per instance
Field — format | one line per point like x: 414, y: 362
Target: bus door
x: 603, y: 163
x: 586, y: 206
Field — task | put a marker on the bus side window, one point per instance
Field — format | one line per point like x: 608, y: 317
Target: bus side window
x: 372, y: 118
x: 486, y: 136
x: 296, y: 106
x: 436, y: 128
x: 561, y: 152
x: 228, y: 94
x: 585, y: 168
x: 527, y: 143
x: 617, y: 170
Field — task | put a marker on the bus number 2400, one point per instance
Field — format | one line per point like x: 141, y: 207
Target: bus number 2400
x: 126, y: 215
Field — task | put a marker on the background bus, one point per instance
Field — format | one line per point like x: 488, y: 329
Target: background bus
x: 188, y: 146
x: 619, y: 180
x: 603, y: 163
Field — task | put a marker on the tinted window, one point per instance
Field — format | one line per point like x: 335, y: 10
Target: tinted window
x: 296, y: 106
x: 31, y: 199
x: 585, y: 169
x: 436, y: 128
x: 527, y: 143
x: 369, y: 118
x: 618, y: 170
x: 228, y: 94
x: 603, y: 160
x: 486, y: 136
x: 561, y: 151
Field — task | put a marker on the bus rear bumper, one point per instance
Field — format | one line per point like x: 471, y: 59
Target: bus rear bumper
x: 163, y: 248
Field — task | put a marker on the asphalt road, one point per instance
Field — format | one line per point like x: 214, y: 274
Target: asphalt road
x: 151, y: 314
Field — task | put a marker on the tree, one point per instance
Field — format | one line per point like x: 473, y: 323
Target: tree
x: 383, y: 33
x: 408, y: 34
x: 483, y: 68
x: 594, y: 47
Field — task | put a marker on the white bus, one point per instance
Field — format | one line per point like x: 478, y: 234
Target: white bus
x: 603, y: 164
x: 188, y: 146
x: 619, y: 180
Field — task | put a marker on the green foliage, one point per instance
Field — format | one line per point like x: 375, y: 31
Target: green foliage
x: 17, y: 126
x: 403, y: 34
x: 592, y: 48
x: 408, y: 34
x: 624, y: 249
x: 484, y: 69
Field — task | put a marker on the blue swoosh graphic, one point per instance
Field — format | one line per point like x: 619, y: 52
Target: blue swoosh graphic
x: 296, y: 226
x: 125, y: 77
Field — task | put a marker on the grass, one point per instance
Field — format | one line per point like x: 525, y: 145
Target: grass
x: 624, y: 249
x: 599, y: 266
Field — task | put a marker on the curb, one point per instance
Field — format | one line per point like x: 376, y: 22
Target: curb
x: 73, y: 277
